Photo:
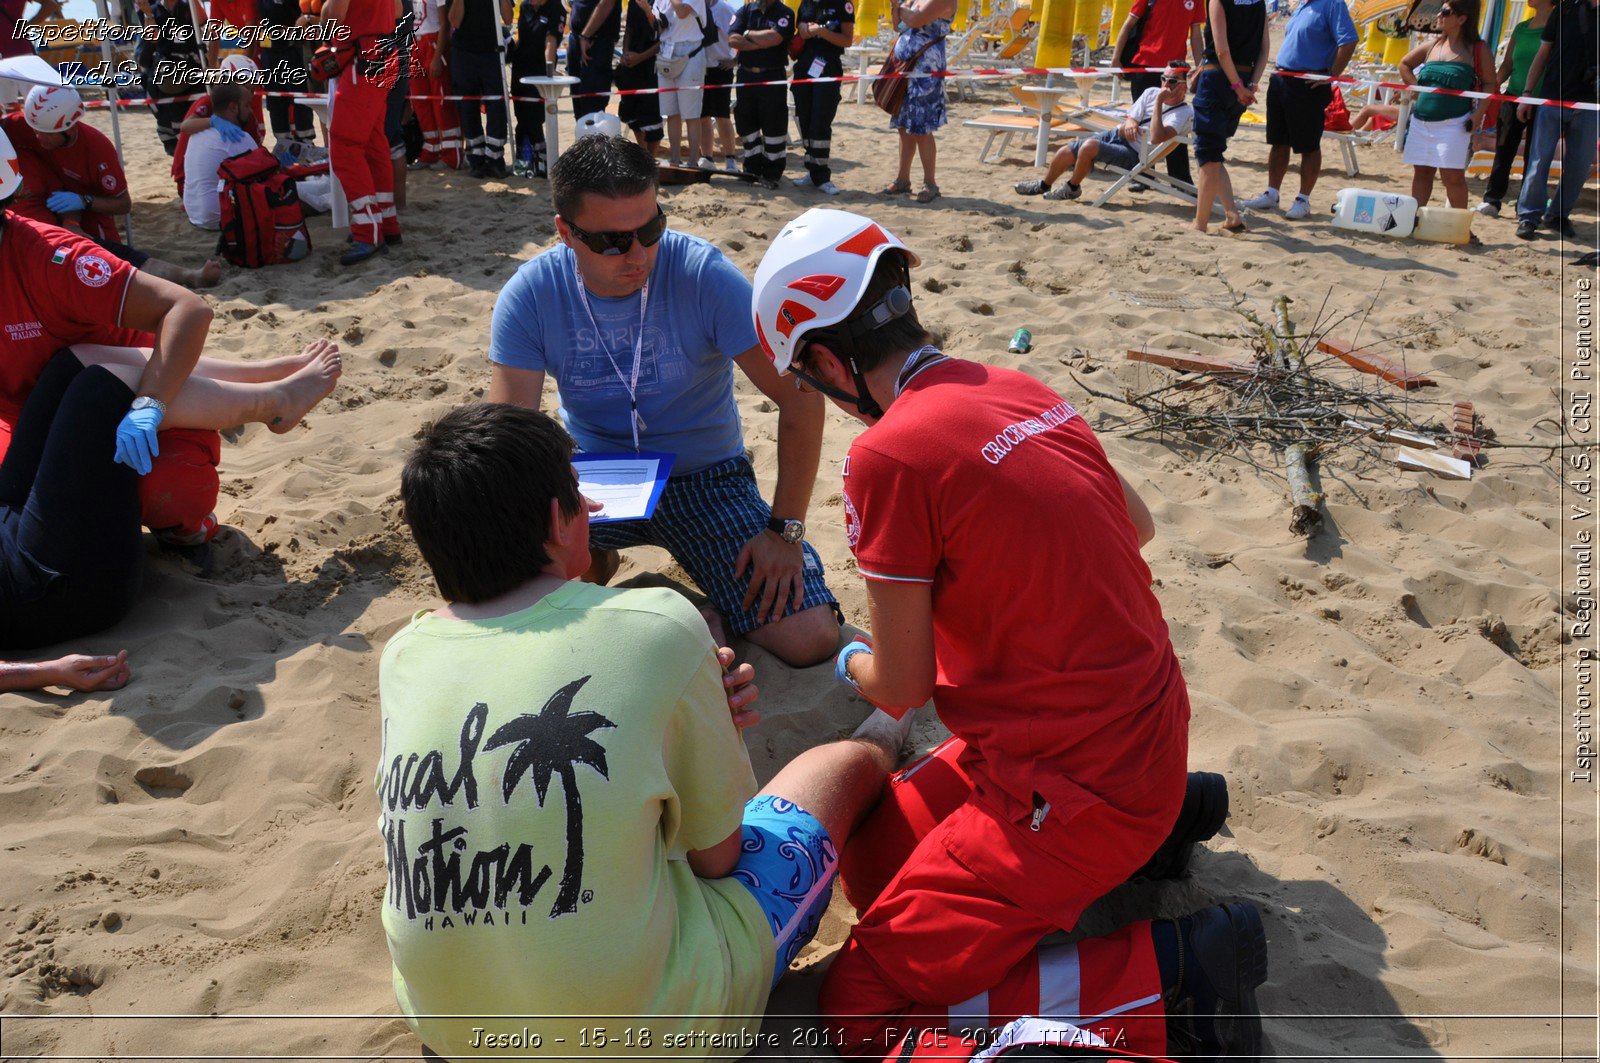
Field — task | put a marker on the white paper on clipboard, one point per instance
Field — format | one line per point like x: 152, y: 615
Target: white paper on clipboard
x: 627, y: 486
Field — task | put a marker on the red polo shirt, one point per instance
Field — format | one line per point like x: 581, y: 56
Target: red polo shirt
x: 1166, y: 30
x: 89, y: 165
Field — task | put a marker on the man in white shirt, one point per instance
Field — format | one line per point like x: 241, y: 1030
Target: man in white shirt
x: 680, y: 72
x: 209, y: 148
x: 1157, y: 116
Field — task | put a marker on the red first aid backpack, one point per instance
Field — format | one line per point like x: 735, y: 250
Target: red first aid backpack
x: 262, y: 221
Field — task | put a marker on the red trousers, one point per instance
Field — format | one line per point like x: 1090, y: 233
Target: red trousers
x: 361, y: 159
x: 941, y: 945
x: 441, y: 123
x: 180, y: 491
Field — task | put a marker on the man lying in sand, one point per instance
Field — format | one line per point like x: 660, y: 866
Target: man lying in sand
x: 641, y: 326
x: 62, y: 289
x: 1003, y: 575
x: 566, y: 804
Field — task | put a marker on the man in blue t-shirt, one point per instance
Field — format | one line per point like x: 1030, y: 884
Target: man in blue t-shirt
x: 1320, y: 39
x: 640, y: 327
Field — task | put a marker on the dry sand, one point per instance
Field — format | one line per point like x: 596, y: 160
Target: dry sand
x: 1384, y: 699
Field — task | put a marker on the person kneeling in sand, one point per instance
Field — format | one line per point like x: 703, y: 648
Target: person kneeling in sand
x: 71, y: 552
x: 1004, y: 580
x: 1157, y: 116
x: 565, y: 803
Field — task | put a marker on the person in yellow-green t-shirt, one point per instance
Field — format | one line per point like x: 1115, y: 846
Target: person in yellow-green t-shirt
x: 1512, y: 134
x: 576, y: 864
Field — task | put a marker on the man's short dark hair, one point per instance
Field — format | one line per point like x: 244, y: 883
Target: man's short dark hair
x: 224, y: 93
x: 600, y: 166
x: 477, y: 490
x: 896, y: 339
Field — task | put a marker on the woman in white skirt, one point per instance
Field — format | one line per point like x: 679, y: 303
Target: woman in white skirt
x: 681, y: 73
x: 1439, y: 136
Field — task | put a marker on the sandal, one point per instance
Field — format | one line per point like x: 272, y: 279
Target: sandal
x: 896, y: 188
x: 928, y: 194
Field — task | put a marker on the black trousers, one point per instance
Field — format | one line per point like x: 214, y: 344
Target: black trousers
x: 1512, y: 135
x: 593, y: 76
x: 478, y: 74
x: 529, y: 113
x: 169, y: 115
x: 71, y: 552
x: 761, y: 118
x: 285, y: 67
x: 1178, y: 161
x: 814, y: 108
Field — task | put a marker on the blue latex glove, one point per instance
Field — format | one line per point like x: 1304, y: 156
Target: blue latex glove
x: 230, y: 133
x: 136, y: 439
x: 66, y: 202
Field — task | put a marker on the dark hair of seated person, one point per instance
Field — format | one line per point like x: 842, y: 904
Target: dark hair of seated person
x: 600, y: 166
x: 477, y: 490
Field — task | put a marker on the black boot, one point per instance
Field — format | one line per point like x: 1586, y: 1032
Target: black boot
x: 1205, y: 809
x: 1211, y: 963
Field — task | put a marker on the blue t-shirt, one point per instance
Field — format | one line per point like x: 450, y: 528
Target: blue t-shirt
x: 696, y: 322
x: 1314, y: 35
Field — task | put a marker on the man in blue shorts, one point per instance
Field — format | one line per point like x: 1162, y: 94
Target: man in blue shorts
x: 570, y: 819
x: 640, y: 327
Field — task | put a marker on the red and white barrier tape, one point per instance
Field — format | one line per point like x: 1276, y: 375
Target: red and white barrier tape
x: 973, y: 74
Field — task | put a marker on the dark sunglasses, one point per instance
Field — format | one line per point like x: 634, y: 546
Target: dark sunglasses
x: 1174, y: 81
x: 618, y: 242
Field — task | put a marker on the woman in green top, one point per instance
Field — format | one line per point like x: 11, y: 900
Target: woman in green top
x: 1440, y: 134
x: 1512, y: 133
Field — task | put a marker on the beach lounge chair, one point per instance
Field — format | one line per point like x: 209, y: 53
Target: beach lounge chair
x: 1151, y: 173
x: 1039, y: 112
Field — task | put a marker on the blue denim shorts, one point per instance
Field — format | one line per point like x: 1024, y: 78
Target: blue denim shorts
x: 1114, y: 151
x: 788, y: 863
x: 1217, y: 111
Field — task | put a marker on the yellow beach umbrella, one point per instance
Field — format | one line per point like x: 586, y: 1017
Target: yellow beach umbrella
x: 1055, y: 32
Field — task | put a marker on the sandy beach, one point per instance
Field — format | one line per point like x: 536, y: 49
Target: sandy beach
x: 192, y: 868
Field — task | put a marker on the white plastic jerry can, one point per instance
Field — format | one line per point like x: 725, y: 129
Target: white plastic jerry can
x: 1367, y: 211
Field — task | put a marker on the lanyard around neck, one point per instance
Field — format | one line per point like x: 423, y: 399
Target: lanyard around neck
x: 631, y: 382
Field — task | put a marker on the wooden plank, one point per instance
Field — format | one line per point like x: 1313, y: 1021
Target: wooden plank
x: 1439, y: 464
x: 1375, y: 364
x: 1189, y: 361
x: 1395, y: 435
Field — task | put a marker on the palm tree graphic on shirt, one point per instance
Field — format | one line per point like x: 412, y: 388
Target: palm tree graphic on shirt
x: 555, y: 742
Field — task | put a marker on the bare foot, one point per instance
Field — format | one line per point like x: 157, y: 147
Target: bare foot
x: 1200, y: 227
x: 1234, y: 224
x: 209, y: 274
x: 303, y: 390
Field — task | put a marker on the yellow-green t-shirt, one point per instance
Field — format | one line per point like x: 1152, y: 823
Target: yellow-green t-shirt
x: 543, y: 776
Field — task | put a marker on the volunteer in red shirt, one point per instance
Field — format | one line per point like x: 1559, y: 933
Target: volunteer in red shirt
x: 89, y: 177
x: 201, y: 117
x: 360, y: 150
x: 61, y: 289
x: 1165, y: 28
x: 1004, y: 580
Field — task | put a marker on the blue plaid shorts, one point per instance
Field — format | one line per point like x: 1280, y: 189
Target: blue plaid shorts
x: 704, y: 519
x: 788, y: 863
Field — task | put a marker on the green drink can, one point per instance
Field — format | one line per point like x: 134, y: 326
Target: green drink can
x: 1022, y: 342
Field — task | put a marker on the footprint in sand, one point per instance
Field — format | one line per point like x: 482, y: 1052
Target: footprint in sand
x: 163, y: 782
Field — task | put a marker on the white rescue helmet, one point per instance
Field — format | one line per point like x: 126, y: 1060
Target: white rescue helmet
x: 52, y: 108
x: 814, y: 274
x: 599, y: 124
x: 238, y: 63
x: 10, y: 170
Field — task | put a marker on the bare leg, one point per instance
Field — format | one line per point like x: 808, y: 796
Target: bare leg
x: 1086, y: 157
x: 204, y: 277
x: 674, y: 138
x: 1060, y: 164
x: 1206, y: 194
x: 908, y: 148
x: 219, y: 404
x: 264, y: 371
x: 1230, y: 209
x: 801, y: 639
x: 1310, y: 170
x: 840, y: 782
x: 928, y: 148
x: 1455, y: 187
x: 696, y: 141
x: 730, y: 142
x: 1421, y: 184
x: 1277, y: 165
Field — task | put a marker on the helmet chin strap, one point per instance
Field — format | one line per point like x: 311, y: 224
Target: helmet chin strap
x: 862, y: 400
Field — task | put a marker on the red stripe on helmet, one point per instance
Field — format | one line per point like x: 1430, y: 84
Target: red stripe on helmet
x: 864, y: 241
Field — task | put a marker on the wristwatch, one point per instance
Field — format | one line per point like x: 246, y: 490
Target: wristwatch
x: 145, y: 402
x: 791, y: 530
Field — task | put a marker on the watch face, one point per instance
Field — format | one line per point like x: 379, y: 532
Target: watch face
x: 793, y: 531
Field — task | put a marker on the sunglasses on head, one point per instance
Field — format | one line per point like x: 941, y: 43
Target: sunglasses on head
x: 620, y: 241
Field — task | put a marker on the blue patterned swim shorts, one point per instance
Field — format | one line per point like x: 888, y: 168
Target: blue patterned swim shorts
x: 788, y: 863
